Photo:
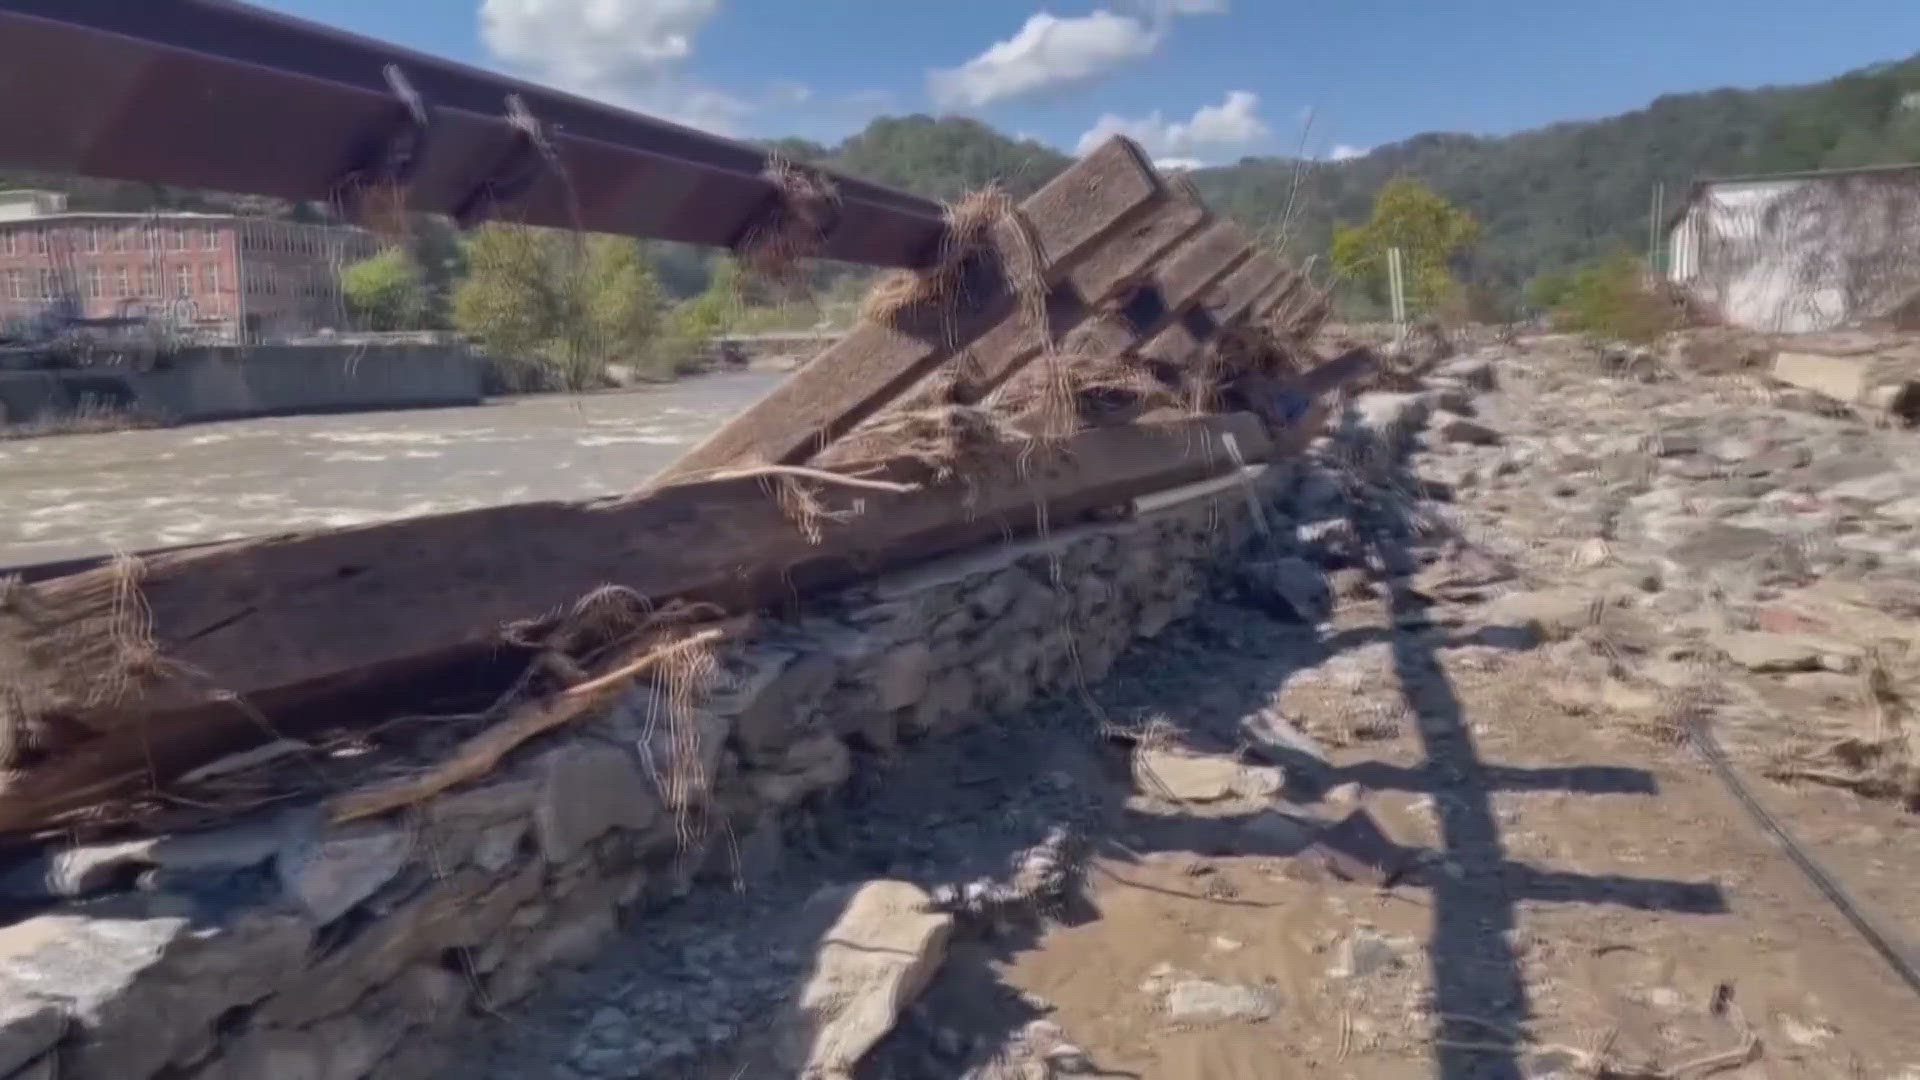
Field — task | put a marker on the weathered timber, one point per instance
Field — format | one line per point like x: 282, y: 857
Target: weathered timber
x: 284, y: 624
x: 1161, y: 295
x: 874, y: 364
x: 1271, y: 305
x: 1218, y: 308
x: 1116, y: 264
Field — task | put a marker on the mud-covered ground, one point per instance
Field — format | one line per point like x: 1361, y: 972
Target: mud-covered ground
x: 1568, y: 570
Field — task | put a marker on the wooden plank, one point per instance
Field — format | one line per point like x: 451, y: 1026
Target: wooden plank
x: 1220, y: 307
x: 279, y: 622
x: 1114, y: 264
x: 1165, y: 290
x: 1277, y: 298
x: 873, y: 364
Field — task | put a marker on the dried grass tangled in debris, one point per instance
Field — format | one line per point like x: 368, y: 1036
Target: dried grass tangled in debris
x: 1098, y: 391
x: 100, y: 638
x: 805, y: 211
x: 940, y: 443
x: 982, y: 225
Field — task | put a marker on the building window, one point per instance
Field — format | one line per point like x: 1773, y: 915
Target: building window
x: 96, y: 283
x: 210, y: 279
x: 122, y: 282
x: 149, y: 283
x: 16, y: 285
x: 213, y: 239
x: 47, y: 285
x: 37, y: 241
x: 90, y: 239
x: 183, y: 281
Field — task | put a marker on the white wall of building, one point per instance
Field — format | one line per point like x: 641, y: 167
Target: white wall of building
x: 1800, y: 255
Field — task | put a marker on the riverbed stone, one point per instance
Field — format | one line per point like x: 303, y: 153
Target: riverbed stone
x: 328, y: 873
x: 586, y: 790
x: 1204, y: 1001
x: 878, y: 955
x: 142, y: 982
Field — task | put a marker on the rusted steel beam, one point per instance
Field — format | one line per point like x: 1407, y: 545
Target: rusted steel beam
x: 217, y: 95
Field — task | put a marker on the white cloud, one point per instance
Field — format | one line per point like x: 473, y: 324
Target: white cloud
x: 1177, y: 164
x: 1344, y: 152
x: 594, y: 41
x: 629, y: 52
x: 1232, y: 125
x: 1049, y: 52
x: 789, y: 94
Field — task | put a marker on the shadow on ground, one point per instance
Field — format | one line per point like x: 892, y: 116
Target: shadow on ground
x: 969, y: 808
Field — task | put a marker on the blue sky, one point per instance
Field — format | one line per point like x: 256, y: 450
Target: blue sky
x: 1194, y: 80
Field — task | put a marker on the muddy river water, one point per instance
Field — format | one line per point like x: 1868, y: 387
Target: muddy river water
x: 67, y: 496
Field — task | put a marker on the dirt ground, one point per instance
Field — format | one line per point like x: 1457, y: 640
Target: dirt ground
x: 1564, y: 889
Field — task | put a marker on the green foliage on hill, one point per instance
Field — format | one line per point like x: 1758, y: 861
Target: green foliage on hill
x: 1561, y: 196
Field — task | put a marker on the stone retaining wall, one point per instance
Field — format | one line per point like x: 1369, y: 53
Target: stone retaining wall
x: 279, y: 948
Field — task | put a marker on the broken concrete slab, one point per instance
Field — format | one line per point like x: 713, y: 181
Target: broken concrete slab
x: 876, y: 958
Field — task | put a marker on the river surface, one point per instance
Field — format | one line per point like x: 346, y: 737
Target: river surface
x: 67, y: 496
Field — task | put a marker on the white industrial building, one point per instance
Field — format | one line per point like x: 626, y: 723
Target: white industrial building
x: 1800, y: 252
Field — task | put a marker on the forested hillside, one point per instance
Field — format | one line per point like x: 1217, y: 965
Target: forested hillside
x: 1547, y: 199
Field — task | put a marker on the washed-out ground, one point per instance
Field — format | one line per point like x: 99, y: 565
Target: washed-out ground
x: 1510, y: 861
x: 73, y: 496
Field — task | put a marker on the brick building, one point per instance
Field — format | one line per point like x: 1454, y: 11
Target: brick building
x: 222, y: 277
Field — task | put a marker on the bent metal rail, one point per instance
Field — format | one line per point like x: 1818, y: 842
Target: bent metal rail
x: 219, y: 95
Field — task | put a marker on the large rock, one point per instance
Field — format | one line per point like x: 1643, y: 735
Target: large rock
x: 328, y: 873
x: 873, y: 962
x: 1289, y: 587
x: 29, y: 1026
x: 142, y: 984
x: 765, y: 692
x: 586, y: 790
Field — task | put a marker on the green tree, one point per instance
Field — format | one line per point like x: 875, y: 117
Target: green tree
x: 552, y: 310
x: 386, y: 292
x: 1550, y: 290
x: 1430, y: 232
x: 1615, y: 299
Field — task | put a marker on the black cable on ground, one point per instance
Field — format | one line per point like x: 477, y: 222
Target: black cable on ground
x: 1877, y: 935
